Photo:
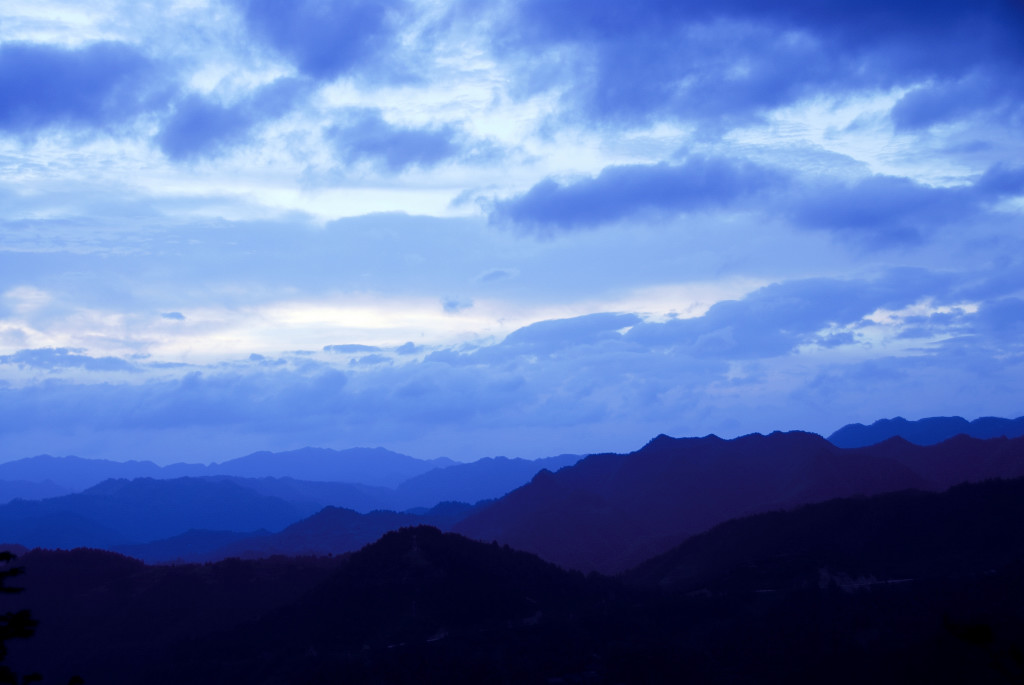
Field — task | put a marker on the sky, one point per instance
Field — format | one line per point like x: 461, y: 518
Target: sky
x: 521, y: 228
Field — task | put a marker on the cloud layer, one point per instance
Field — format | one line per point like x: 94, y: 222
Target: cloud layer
x: 520, y: 227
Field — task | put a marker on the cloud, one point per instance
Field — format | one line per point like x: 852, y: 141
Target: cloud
x: 408, y: 348
x: 51, y: 359
x: 556, y: 334
x: 619, y: 192
x: 937, y: 103
x: 202, y: 127
x: 327, y: 40
x: 600, y: 381
x: 367, y: 137
x: 722, y: 64
x: 878, y: 209
x: 1000, y: 181
x: 173, y: 316
x: 1001, y: 320
x: 777, y: 319
x: 883, y: 209
x: 99, y: 86
x: 886, y: 209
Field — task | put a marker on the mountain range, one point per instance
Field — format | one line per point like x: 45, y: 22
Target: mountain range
x: 611, y: 511
x: 929, y: 431
x: 769, y: 558
x: 369, y: 466
x: 605, y: 512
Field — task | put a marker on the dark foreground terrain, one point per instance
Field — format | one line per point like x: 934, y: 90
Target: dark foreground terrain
x: 901, y: 587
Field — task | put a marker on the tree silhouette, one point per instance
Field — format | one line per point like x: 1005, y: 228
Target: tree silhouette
x: 16, y: 624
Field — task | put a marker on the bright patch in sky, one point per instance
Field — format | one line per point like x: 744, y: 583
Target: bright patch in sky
x: 521, y: 227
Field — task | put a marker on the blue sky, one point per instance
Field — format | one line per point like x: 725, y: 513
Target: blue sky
x: 476, y: 228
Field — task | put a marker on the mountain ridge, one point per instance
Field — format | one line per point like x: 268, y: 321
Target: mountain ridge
x: 610, y: 511
x: 927, y: 431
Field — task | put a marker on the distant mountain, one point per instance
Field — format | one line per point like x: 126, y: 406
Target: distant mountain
x: 928, y: 431
x: 76, y: 474
x: 24, y: 489
x: 957, y: 460
x: 310, y: 479
x: 369, y: 466
x: 855, y: 543
x: 312, y: 496
x: 338, y: 531
x: 118, y: 512
x: 610, y: 511
x: 487, y: 478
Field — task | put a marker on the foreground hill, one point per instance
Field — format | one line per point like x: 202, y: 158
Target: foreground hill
x: 419, y: 606
x: 611, y: 511
x: 854, y: 542
x: 930, y: 431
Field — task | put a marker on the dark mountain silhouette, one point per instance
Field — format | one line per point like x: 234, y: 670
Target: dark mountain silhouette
x: 856, y: 542
x: 119, y: 512
x: 611, y: 511
x: 487, y: 478
x: 368, y: 466
x: 929, y: 431
x: 414, y: 588
x: 109, y: 618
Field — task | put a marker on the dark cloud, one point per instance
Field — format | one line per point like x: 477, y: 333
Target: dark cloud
x: 369, y: 138
x: 877, y: 210
x: 618, y: 192
x: 97, y: 86
x: 881, y: 209
x: 452, y: 305
x: 938, y: 103
x: 53, y: 358
x: 351, y: 348
x: 174, y: 316
x: 1001, y: 181
x: 326, y: 40
x: 722, y: 62
x: 202, y: 127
